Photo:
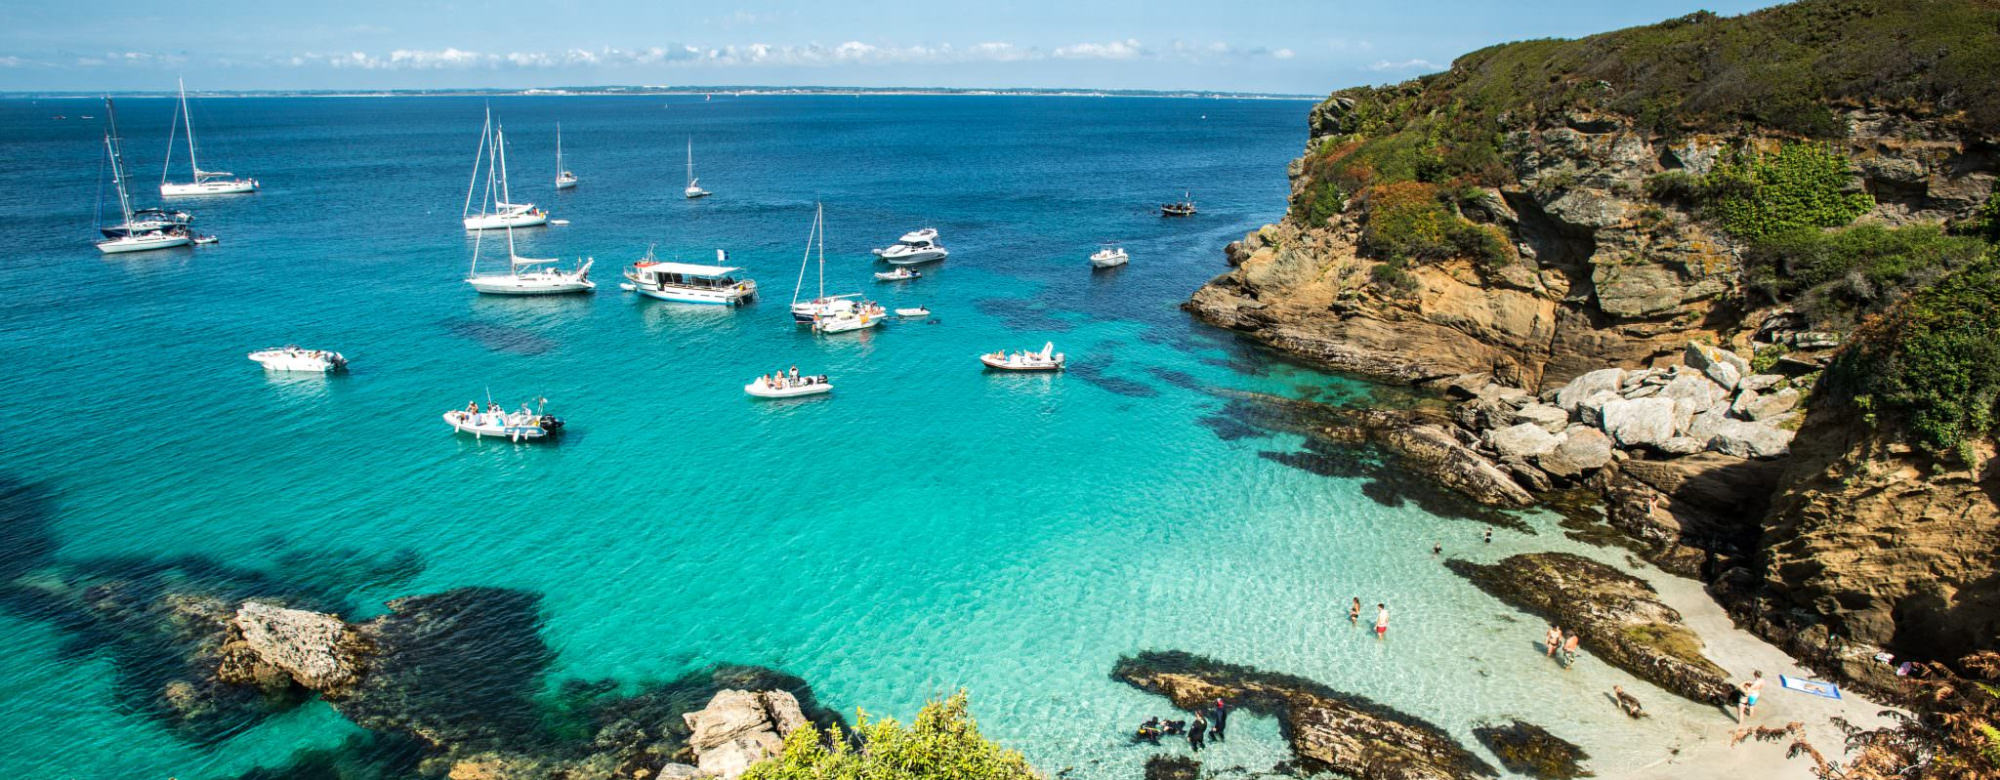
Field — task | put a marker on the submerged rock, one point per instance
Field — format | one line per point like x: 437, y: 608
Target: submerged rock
x: 1528, y: 749
x: 1619, y: 616
x: 1171, y: 767
x: 1328, y: 729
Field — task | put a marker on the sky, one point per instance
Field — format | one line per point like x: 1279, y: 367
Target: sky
x: 1283, y: 46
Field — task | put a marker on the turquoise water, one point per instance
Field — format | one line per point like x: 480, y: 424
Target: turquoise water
x: 929, y: 528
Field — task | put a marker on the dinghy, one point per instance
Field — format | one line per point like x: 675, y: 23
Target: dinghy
x: 786, y: 387
x: 901, y: 273
x: 1046, y: 360
x: 293, y: 358
x: 524, y: 425
x: 916, y: 313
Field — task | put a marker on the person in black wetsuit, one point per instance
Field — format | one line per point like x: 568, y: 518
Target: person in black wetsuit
x: 1149, y: 731
x: 1196, y: 730
x: 1221, y: 717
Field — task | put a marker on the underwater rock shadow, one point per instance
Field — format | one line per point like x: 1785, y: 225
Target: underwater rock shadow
x: 1389, y: 484
x: 509, y: 339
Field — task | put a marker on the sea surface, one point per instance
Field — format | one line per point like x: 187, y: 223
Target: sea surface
x: 929, y: 528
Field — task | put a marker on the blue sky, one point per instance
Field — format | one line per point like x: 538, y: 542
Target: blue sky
x: 1303, y: 46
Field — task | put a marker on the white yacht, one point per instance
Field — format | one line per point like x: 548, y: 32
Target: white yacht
x: 528, y: 424
x: 788, y: 387
x: 564, y: 178
x: 694, y: 189
x: 1046, y: 360
x: 204, y: 182
x: 916, y: 246
x: 1109, y: 257
x: 825, y: 306
x: 133, y: 234
x: 293, y: 358
x: 503, y: 213
x: 525, y: 275
x: 689, y: 283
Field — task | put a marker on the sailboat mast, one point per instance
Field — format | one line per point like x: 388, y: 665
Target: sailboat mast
x: 188, y: 119
x: 117, y: 161
x: 484, y: 133
x: 819, y: 221
x: 558, y: 151
x: 500, y: 143
x: 690, y: 161
x: 173, y: 130
x: 805, y: 259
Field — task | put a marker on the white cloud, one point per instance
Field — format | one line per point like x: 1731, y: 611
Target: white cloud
x: 1282, y: 54
x: 1115, y: 50
x: 1417, y: 64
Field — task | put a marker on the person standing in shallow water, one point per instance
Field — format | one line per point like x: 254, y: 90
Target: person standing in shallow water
x: 1381, y: 620
x: 1354, y: 612
x: 1489, y: 536
x: 1221, y: 717
x: 1553, y: 639
x: 1196, y: 731
x: 1570, y: 646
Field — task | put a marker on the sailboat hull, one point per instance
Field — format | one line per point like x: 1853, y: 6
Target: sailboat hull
x: 509, y: 284
x: 228, y: 187
x: 501, y: 221
x: 140, y: 243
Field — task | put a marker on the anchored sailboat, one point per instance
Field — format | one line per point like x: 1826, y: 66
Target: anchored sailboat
x: 133, y: 233
x: 205, y: 182
x: 504, y: 214
x: 525, y: 275
x: 564, y: 179
x: 694, y: 189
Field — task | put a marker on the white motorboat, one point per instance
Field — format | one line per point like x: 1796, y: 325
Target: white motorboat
x: 787, y: 387
x: 524, y: 425
x: 689, y: 283
x: 694, y: 189
x: 205, y: 182
x: 504, y: 213
x: 842, y: 323
x: 564, y: 178
x: 900, y: 273
x: 915, y: 313
x: 524, y: 275
x: 1046, y: 360
x: 292, y: 358
x: 824, y: 306
x: 161, y: 230
x: 1109, y: 257
x: 916, y: 246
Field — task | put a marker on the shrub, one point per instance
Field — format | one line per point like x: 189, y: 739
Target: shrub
x: 1320, y: 201
x: 1394, y: 277
x: 1841, y: 274
x: 1932, y: 364
x: 1674, y: 186
x: 1405, y: 220
x: 943, y: 744
x: 1798, y: 186
x: 1485, y: 244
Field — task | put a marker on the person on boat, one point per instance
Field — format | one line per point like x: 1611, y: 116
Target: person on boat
x: 795, y: 373
x: 471, y: 407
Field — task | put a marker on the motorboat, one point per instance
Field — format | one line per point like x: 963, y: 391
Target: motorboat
x: 688, y: 282
x: 206, y: 239
x: 788, y: 387
x: 524, y: 425
x: 293, y: 358
x: 914, y: 313
x: 916, y: 246
x: 842, y: 323
x: 824, y: 306
x: 1046, y: 360
x: 160, y: 229
x: 204, y: 182
x: 524, y: 275
x: 694, y: 189
x: 1108, y: 257
x: 899, y: 274
x: 1184, y: 208
x: 503, y: 211
x: 564, y: 178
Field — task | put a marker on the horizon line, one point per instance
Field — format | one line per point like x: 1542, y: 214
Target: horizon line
x: 641, y: 90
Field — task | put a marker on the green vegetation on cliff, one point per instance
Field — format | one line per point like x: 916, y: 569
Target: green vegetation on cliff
x: 1837, y: 276
x: 943, y: 744
x: 1761, y: 196
x: 1931, y: 366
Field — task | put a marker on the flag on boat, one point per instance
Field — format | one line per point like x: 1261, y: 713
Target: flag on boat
x: 1814, y: 687
x: 721, y: 256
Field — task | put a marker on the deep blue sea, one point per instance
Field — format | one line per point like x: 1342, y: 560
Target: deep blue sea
x: 930, y: 527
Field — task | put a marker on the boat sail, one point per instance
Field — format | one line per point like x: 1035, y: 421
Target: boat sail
x: 133, y: 234
x: 205, y: 182
x: 525, y: 275
x: 504, y: 213
x: 564, y: 178
x: 694, y: 189
x: 825, y: 306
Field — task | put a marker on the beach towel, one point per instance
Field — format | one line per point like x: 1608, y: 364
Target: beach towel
x: 1814, y: 687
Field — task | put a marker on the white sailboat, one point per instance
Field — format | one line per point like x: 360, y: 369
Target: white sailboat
x: 564, y: 178
x: 132, y: 235
x: 205, y: 182
x: 525, y: 275
x: 825, y: 306
x: 504, y: 213
x: 694, y: 189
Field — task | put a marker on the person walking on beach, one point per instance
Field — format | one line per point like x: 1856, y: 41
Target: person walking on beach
x: 1196, y: 731
x: 1354, y: 612
x: 1569, y: 649
x: 1553, y: 639
x: 1381, y: 620
x: 1747, y: 706
x: 1221, y: 717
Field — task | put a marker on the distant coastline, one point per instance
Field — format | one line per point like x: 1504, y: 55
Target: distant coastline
x: 733, y: 91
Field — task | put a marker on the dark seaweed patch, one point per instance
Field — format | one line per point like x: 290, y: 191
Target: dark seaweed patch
x: 500, y: 338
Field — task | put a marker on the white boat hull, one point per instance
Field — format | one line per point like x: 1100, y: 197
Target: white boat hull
x: 509, y: 427
x: 917, y: 313
x: 845, y: 324
x: 1108, y: 262
x: 211, y: 187
x: 761, y: 390
x: 306, y: 360
x: 509, y: 284
x: 502, y: 221
x: 141, y: 243
x: 891, y: 276
x: 913, y: 258
x: 1001, y: 362
x: 695, y: 192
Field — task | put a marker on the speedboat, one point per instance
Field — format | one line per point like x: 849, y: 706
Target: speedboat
x: 916, y: 246
x: 901, y: 273
x: 293, y: 358
x: 1108, y: 257
x: 787, y: 387
x: 524, y: 425
x: 842, y: 323
x: 688, y: 283
x: 1046, y: 360
x: 915, y: 313
x: 1185, y: 208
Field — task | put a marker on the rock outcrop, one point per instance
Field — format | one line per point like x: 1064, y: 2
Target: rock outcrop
x: 1619, y: 617
x: 318, y: 651
x: 1527, y: 749
x: 740, y: 728
x: 1328, y: 729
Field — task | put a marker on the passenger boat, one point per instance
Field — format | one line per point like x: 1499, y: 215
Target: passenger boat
x: 900, y: 273
x: 689, y: 283
x: 1109, y: 257
x: 505, y: 213
x: 204, y: 182
x: 805, y: 312
x: 524, y: 425
x: 564, y: 178
x: 787, y: 387
x: 916, y: 246
x: 292, y: 358
x: 1046, y: 360
x: 133, y: 234
x: 1185, y: 208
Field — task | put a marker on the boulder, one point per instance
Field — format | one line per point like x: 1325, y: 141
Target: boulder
x: 319, y: 651
x: 1642, y: 391
x: 1692, y: 393
x: 1583, y: 449
x: 1525, y: 440
x: 1481, y: 414
x: 1527, y: 475
x: 739, y: 728
x: 1751, y: 405
x: 1639, y: 423
x: 1605, y: 380
x: 1760, y: 382
x: 1550, y: 418
x: 1704, y: 425
x: 1590, y: 411
x: 1725, y: 367
x: 1750, y: 439
x: 1682, y: 445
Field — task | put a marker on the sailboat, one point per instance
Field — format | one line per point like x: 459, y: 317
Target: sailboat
x: 828, y: 309
x: 694, y: 189
x: 132, y: 235
x: 505, y: 214
x: 205, y: 182
x: 525, y: 275
x: 564, y: 179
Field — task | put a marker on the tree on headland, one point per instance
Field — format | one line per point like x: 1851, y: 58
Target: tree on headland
x: 943, y: 743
